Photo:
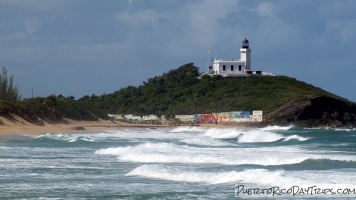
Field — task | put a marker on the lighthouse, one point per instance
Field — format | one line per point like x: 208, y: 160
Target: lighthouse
x: 245, y: 52
x: 236, y: 67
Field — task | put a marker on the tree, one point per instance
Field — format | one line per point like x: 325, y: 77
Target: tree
x: 7, y: 89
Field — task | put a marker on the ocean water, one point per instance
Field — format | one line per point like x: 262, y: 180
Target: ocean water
x: 182, y: 163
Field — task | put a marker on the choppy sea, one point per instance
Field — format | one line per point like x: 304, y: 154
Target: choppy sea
x: 182, y: 163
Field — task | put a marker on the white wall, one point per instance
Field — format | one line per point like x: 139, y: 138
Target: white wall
x: 246, y: 57
x: 256, y: 116
x: 218, y: 67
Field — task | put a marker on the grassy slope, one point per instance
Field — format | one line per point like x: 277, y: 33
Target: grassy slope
x: 268, y: 93
x: 180, y: 92
x: 264, y: 93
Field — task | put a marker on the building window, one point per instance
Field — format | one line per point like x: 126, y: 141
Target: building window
x: 239, y: 67
x: 224, y: 67
x: 232, y: 68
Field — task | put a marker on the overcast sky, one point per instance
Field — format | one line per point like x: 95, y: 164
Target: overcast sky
x: 84, y: 47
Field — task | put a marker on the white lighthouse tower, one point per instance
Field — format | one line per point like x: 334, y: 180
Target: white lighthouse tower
x: 236, y: 67
x: 245, y: 52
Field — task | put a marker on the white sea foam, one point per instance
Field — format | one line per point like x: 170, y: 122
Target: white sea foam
x: 335, y: 179
x: 206, y: 142
x: 345, y: 129
x: 281, y: 178
x: 296, y: 137
x: 274, y: 127
x: 81, y: 138
x: 50, y: 135
x: 156, y: 154
x: 171, y: 153
x: 146, y: 134
x: 223, y: 133
x: 212, y: 150
x: 174, y: 174
x: 259, y: 136
x: 67, y: 137
x: 251, y: 135
x: 187, y: 129
x: 266, y: 136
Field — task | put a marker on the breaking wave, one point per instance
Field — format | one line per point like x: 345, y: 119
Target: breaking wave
x: 171, y: 153
x: 174, y: 174
x: 274, y: 128
x: 66, y: 137
x: 227, y: 133
x: 281, y: 178
x: 187, y: 129
x: 206, y: 142
x: 266, y: 136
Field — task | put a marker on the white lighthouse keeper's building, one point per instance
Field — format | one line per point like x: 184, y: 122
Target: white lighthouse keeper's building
x: 235, y: 67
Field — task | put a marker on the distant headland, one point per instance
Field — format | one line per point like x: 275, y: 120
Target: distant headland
x: 183, y: 91
x: 229, y: 92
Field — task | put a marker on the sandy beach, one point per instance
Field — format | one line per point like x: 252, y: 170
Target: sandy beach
x: 20, y: 128
x: 72, y: 126
x: 12, y: 129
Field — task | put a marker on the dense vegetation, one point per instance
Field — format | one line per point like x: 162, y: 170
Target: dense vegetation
x: 8, y: 91
x: 179, y: 91
x: 52, y: 109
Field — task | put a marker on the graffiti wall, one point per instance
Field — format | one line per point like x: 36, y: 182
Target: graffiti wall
x: 185, y: 118
x: 240, y: 116
x: 234, y: 116
x: 221, y: 117
x: 204, y: 118
x: 227, y: 117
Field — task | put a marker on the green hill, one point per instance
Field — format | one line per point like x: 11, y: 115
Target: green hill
x: 183, y: 91
x: 180, y: 91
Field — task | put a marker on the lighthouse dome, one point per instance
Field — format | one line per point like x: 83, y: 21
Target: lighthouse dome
x: 245, y: 43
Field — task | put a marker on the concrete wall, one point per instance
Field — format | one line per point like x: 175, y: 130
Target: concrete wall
x: 218, y: 67
x: 222, y: 117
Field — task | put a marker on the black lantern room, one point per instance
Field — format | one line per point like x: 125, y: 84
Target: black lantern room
x: 245, y: 44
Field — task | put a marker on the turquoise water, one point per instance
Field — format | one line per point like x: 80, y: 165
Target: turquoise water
x: 181, y: 163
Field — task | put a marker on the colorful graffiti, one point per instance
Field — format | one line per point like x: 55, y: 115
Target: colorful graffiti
x: 222, y: 117
x: 240, y: 116
x: 234, y: 116
x: 204, y: 118
x: 227, y: 117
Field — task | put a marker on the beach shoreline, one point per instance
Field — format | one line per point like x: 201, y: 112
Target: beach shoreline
x: 20, y: 129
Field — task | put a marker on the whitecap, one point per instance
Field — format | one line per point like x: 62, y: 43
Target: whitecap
x: 187, y: 129
x: 266, y: 136
x: 67, y: 137
x: 296, y: 137
x: 275, y: 127
x: 261, y: 177
x: 259, y: 136
x: 206, y: 142
x: 180, y: 175
x: 227, y: 133
x: 171, y: 153
x: 345, y: 129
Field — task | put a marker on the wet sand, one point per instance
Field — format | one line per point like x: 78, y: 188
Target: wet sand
x: 20, y: 129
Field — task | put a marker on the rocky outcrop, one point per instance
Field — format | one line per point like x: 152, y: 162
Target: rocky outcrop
x: 315, y: 112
